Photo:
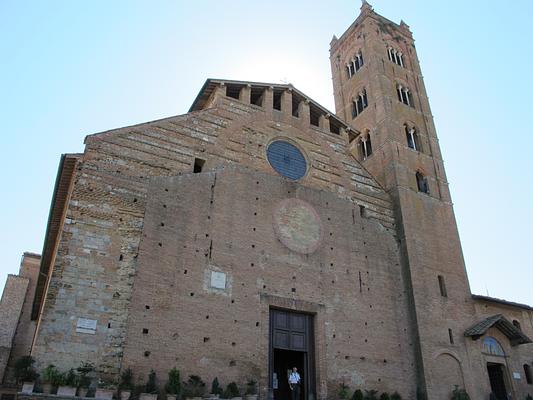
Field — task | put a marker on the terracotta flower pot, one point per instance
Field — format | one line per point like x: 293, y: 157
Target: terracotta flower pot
x: 66, y: 391
x: 148, y: 396
x: 82, y: 392
x: 47, y: 388
x: 125, y: 394
x: 27, y: 387
x: 104, y: 394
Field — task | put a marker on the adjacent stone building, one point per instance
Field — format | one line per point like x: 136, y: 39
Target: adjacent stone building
x: 260, y: 231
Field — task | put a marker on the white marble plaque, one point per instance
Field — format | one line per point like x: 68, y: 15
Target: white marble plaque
x: 516, y: 375
x: 85, y: 325
x: 218, y: 280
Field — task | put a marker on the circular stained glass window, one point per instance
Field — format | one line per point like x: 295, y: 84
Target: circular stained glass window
x: 287, y: 159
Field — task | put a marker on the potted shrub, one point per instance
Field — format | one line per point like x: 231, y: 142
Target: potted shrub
x: 232, y: 391
x: 83, y: 378
x: 357, y: 395
x: 173, y: 386
x: 51, y: 378
x: 125, y: 385
x: 343, y: 393
x: 25, y: 373
x: 68, y: 384
x: 371, y: 394
x: 105, y: 389
x: 194, y: 388
x: 150, y: 389
x: 395, y: 396
x: 216, y: 389
x: 459, y: 394
x: 251, y: 390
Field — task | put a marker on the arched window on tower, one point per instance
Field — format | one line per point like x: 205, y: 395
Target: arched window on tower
x: 404, y: 95
x: 422, y: 183
x: 412, y: 138
x: 395, y: 56
x: 359, y: 103
x: 527, y: 373
x: 354, y: 64
x: 365, y: 145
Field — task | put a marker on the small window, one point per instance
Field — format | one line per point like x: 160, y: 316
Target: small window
x: 257, y: 95
x: 359, y: 103
x: 442, y: 286
x: 365, y: 146
x: 450, y: 335
x: 527, y: 373
x: 233, y: 91
x: 404, y: 95
x: 516, y: 324
x: 395, y: 56
x: 411, y: 136
x: 422, y: 183
x: 354, y: 64
x: 198, y: 165
x: 276, y: 100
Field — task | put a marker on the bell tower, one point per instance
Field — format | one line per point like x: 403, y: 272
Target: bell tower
x: 379, y: 90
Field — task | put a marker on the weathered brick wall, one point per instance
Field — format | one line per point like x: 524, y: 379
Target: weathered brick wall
x: 97, y: 258
x: 25, y: 330
x: 10, y: 309
x: 222, y: 221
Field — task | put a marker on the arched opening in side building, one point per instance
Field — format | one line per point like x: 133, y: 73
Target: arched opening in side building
x: 291, y: 345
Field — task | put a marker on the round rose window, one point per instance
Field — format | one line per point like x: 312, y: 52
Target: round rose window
x: 287, y: 159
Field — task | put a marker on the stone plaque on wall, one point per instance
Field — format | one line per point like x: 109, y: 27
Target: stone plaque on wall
x: 86, y: 325
x: 218, y: 280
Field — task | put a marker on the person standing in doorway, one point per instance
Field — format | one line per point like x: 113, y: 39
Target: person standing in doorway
x: 294, y: 384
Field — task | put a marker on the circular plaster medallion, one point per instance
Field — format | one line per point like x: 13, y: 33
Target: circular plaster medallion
x: 297, y: 225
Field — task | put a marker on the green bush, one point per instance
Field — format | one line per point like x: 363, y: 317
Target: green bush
x: 126, y: 380
x: 83, y: 380
x: 52, y: 375
x: 344, y: 392
x: 459, y: 394
x: 216, y: 388
x: 24, y: 371
x: 194, y: 387
x: 70, y: 378
x: 173, y: 385
x: 151, y: 385
x: 232, y: 390
x: 395, y: 396
x: 371, y: 394
x: 358, y: 395
x: 529, y: 397
x: 251, y: 387
x: 384, y: 396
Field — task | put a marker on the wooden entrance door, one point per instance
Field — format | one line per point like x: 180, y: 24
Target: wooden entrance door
x: 292, y: 343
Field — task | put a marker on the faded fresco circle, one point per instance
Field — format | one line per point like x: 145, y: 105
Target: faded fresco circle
x: 297, y: 225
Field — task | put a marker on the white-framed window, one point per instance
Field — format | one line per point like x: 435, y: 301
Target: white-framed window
x: 395, y: 56
x: 359, y: 103
x: 411, y: 136
x: 404, y: 95
x: 365, y: 145
x: 422, y: 182
x: 354, y: 64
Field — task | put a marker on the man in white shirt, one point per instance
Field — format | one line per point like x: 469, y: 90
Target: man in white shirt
x: 294, y: 384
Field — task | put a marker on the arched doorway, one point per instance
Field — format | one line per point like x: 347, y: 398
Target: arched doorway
x: 496, y: 367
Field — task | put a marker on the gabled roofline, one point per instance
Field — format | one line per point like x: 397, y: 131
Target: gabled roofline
x: 501, y: 301
x: 211, y: 83
x: 514, y: 334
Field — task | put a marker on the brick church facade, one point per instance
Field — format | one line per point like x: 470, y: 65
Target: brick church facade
x: 260, y: 231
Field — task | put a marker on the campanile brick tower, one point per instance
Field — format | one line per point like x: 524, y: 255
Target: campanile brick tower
x: 379, y: 89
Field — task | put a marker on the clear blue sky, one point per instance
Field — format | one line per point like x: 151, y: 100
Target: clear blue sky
x: 72, y: 68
